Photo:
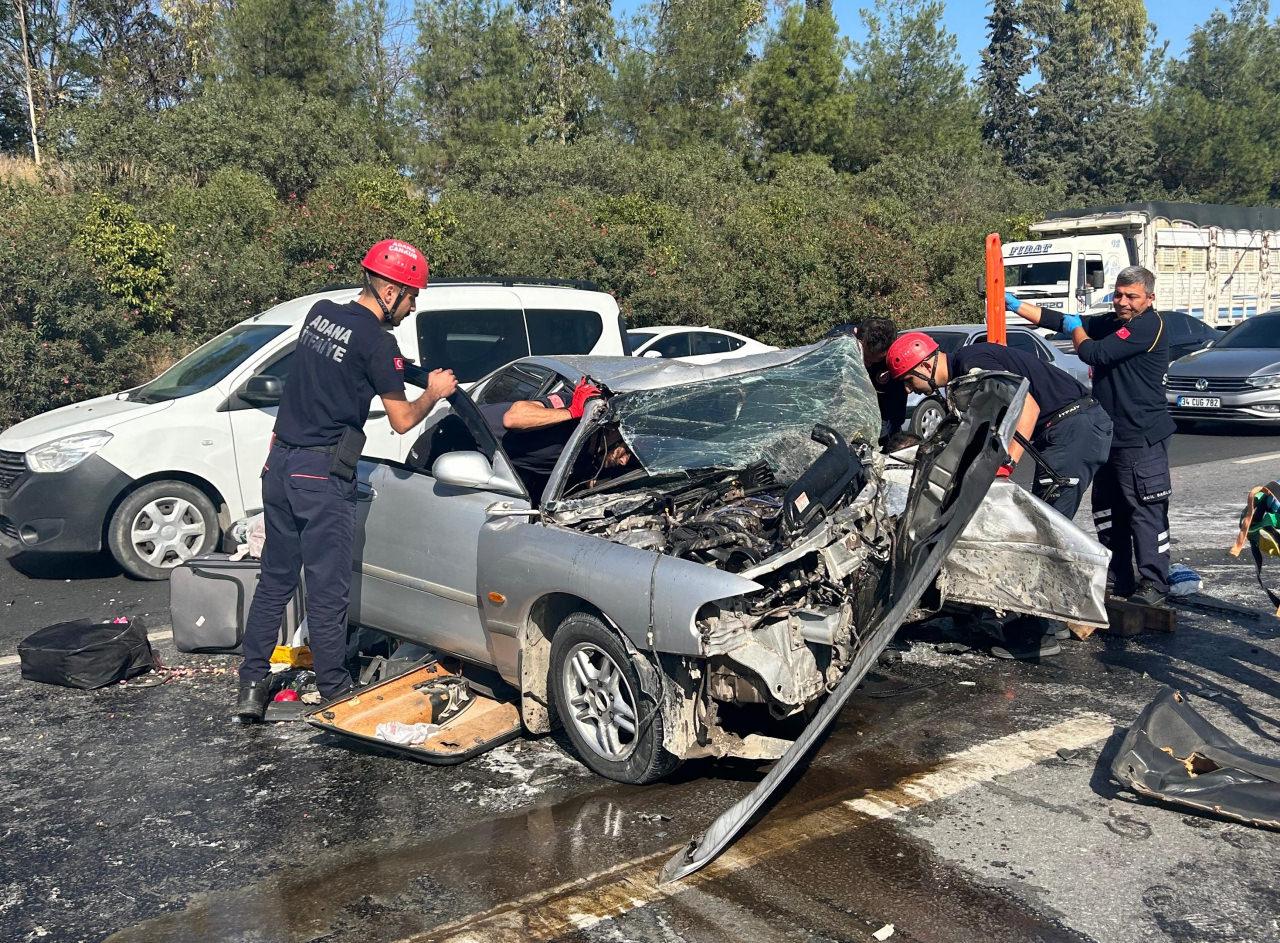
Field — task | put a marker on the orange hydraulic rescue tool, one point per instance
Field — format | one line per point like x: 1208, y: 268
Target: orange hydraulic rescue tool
x: 995, y: 290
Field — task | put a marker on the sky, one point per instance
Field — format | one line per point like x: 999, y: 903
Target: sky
x: 1175, y: 19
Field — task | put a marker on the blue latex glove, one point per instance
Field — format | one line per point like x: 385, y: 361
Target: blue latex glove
x: 1012, y: 302
x: 1070, y: 322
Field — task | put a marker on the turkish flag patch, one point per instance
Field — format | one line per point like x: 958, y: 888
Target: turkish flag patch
x: 1123, y: 333
x: 398, y: 363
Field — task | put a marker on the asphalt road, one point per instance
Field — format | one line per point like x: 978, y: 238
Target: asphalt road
x: 939, y: 804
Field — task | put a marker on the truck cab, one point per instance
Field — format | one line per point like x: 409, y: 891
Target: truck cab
x: 1069, y: 273
x: 1220, y: 264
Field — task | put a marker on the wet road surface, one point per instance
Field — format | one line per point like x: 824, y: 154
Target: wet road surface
x: 939, y: 804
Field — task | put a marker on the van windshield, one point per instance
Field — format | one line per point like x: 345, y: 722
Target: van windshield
x: 207, y: 364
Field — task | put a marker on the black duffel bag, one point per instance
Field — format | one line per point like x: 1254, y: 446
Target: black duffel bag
x: 84, y: 654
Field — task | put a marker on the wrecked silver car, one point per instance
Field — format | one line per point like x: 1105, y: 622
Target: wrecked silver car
x: 712, y: 592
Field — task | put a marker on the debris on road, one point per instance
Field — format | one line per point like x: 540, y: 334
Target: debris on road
x: 395, y: 731
x: 1174, y: 754
x: 884, y: 932
x: 84, y: 654
x: 1184, y: 581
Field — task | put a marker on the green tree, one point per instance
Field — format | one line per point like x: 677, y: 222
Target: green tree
x: 1006, y: 61
x: 133, y: 53
x: 384, y: 47
x: 798, y: 94
x: 1092, y: 133
x: 298, y: 44
x: 470, y: 84
x: 41, y: 52
x: 286, y: 136
x: 943, y: 203
x: 570, y: 41
x: 131, y: 258
x: 909, y: 88
x: 680, y: 73
x: 1216, y: 121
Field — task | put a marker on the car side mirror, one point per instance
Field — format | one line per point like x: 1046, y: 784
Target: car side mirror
x: 1096, y: 279
x: 262, y: 390
x: 652, y: 355
x: 470, y: 470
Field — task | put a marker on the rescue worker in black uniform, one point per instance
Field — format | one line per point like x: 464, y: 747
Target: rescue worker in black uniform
x: 875, y: 335
x: 1059, y: 418
x: 1070, y: 430
x: 346, y: 355
x: 1129, y: 353
x: 534, y: 433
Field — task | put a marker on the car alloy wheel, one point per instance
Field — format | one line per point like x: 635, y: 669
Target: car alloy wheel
x: 602, y: 706
x: 927, y: 417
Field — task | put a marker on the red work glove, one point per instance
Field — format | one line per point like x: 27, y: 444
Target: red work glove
x: 1004, y: 471
x: 581, y: 393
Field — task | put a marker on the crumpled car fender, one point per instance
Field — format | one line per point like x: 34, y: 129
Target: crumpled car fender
x: 1018, y: 554
x: 652, y: 598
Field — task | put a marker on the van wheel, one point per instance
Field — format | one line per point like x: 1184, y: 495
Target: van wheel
x: 612, y: 720
x: 161, y: 525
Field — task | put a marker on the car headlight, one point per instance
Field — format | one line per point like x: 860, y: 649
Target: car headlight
x: 1268, y: 382
x: 62, y: 454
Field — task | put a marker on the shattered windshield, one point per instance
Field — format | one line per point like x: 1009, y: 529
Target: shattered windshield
x: 769, y: 414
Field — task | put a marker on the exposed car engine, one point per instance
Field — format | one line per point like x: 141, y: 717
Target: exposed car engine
x: 815, y: 546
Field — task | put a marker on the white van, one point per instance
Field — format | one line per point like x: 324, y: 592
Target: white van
x: 157, y: 473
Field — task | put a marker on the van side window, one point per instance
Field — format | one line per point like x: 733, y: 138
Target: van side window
x: 563, y: 332
x: 279, y: 367
x: 472, y: 343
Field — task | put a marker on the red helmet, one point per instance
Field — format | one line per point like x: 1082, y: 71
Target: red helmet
x: 908, y: 352
x: 398, y: 262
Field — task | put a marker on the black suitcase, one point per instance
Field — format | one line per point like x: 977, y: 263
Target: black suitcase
x: 84, y: 654
x: 209, y: 600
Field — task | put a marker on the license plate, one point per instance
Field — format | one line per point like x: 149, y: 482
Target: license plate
x: 1202, y: 402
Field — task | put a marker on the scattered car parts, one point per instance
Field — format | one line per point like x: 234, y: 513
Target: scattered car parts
x: 1173, y: 754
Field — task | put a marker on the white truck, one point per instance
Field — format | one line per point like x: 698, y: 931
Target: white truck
x: 1218, y: 263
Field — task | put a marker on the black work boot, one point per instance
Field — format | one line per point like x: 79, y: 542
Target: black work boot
x: 251, y: 705
x: 1148, y: 594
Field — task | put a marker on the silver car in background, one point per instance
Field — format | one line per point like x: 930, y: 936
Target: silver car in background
x: 1235, y: 379
x: 753, y: 552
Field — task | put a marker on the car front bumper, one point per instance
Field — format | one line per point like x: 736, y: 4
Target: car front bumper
x: 1251, y: 406
x: 58, y: 512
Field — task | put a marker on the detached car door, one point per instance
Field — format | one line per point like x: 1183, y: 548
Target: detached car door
x: 416, y: 537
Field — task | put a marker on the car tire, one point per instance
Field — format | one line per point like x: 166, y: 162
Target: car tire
x: 927, y: 416
x: 161, y: 525
x: 597, y: 692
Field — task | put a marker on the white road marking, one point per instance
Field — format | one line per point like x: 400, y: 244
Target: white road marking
x: 10, y: 660
x: 587, y: 901
x: 1270, y: 456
